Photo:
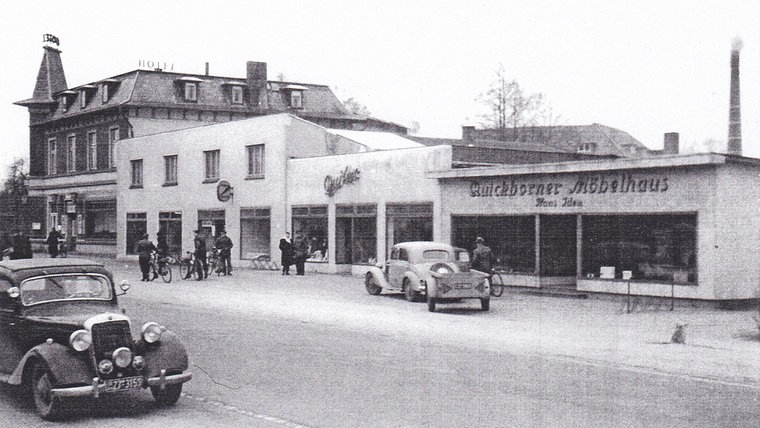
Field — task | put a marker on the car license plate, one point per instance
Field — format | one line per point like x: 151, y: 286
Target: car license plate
x: 124, y: 383
x: 462, y: 286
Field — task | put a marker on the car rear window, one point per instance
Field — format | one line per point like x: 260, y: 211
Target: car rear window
x: 65, y: 287
x: 438, y: 255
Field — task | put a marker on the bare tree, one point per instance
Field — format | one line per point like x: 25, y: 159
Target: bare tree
x: 355, y: 107
x: 13, y: 196
x: 708, y: 145
x: 509, y: 106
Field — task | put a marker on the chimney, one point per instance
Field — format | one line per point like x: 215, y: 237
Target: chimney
x: 467, y: 134
x: 734, y: 108
x: 670, y: 145
x: 256, y: 79
x: 207, y: 69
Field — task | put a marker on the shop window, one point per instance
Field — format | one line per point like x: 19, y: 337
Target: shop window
x: 211, y: 222
x: 113, y: 137
x: 255, y: 161
x: 170, y: 170
x: 170, y: 223
x: 52, y: 156
x: 311, y: 221
x: 137, y: 225
x: 212, y: 165
x: 71, y: 155
x: 511, y: 238
x: 100, y: 220
x: 558, y: 240
x: 657, y: 247
x: 409, y: 222
x: 92, y: 150
x: 236, y: 94
x: 356, y: 234
x: 255, y: 235
x: 137, y: 173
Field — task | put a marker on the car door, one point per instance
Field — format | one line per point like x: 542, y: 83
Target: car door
x: 10, y: 354
x: 398, y: 267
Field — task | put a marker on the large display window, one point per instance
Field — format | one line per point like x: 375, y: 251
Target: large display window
x: 311, y: 221
x: 408, y: 222
x: 137, y: 226
x: 656, y: 247
x: 255, y: 232
x: 170, y: 222
x: 511, y: 238
x: 100, y: 220
x: 356, y: 234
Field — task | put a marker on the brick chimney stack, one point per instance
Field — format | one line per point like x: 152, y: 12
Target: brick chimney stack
x: 671, y: 143
x: 256, y: 80
x: 734, y: 108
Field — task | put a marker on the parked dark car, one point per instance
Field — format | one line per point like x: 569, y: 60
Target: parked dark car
x: 63, y: 335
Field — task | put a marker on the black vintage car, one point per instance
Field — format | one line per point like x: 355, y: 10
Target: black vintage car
x: 63, y: 335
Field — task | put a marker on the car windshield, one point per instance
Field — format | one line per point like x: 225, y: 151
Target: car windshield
x: 65, y: 287
x: 437, y: 255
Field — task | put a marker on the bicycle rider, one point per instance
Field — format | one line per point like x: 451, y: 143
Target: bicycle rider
x: 200, y: 253
x: 162, y: 248
x: 482, y: 257
x: 145, y: 249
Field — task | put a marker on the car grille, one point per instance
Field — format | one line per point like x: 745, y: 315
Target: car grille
x: 108, y: 336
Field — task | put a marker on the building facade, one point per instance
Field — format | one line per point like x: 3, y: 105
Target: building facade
x: 73, y: 132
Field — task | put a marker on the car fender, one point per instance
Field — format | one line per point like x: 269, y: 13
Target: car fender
x: 167, y: 354
x: 379, y: 276
x: 67, y: 366
x: 414, y: 279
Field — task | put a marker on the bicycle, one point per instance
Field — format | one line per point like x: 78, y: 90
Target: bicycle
x: 191, y: 266
x: 214, y: 262
x: 63, y: 249
x: 160, y: 267
x: 497, y: 283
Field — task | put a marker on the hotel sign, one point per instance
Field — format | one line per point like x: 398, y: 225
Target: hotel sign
x: 347, y: 176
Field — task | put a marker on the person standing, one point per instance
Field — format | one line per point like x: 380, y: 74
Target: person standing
x: 301, y: 252
x: 162, y: 247
x: 52, y: 242
x: 145, y: 249
x: 224, y: 245
x: 200, y: 253
x: 482, y: 257
x: 286, y: 258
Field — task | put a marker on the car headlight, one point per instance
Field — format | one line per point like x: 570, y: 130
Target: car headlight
x: 138, y: 362
x: 80, y: 340
x: 151, y: 332
x: 122, y: 357
x: 441, y: 268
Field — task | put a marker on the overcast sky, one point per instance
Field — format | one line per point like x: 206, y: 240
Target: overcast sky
x: 645, y: 67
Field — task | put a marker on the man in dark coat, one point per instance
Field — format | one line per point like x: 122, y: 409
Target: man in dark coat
x: 301, y: 252
x: 52, y: 242
x: 482, y: 257
x: 286, y: 248
x: 200, y: 252
x: 145, y: 249
x: 224, y: 245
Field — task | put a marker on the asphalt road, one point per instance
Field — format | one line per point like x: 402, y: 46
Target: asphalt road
x: 318, y: 351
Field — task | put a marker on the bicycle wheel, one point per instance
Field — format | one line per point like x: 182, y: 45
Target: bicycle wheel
x: 184, y: 269
x: 165, y: 271
x: 197, y: 271
x: 497, y: 285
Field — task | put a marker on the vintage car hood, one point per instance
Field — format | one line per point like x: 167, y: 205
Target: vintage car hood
x: 70, y: 314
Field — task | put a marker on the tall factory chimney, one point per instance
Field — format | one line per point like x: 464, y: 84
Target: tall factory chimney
x: 734, y: 108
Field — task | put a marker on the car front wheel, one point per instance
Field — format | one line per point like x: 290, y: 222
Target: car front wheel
x: 409, y: 293
x: 167, y: 396
x: 431, y: 304
x: 485, y: 304
x: 370, y: 283
x: 48, y: 406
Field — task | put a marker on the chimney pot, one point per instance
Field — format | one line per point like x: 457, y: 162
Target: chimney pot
x: 671, y: 143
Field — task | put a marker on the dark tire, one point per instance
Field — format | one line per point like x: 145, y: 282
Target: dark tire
x: 431, y: 304
x: 410, y: 294
x: 184, y: 267
x: 167, y: 396
x: 370, y: 283
x: 497, y: 285
x: 165, y: 272
x: 42, y: 382
x: 198, y: 270
x: 485, y: 304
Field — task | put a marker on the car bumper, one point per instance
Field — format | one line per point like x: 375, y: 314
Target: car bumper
x: 98, y: 388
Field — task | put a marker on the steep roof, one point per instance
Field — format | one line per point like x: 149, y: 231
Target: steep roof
x: 50, y: 79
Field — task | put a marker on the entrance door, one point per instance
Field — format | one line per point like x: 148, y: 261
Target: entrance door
x: 211, y: 223
x: 558, y: 245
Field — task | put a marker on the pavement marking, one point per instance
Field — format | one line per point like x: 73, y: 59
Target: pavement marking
x: 234, y: 409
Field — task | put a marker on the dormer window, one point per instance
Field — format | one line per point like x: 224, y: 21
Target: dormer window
x: 237, y: 95
x: 85, y: 93
x: 235, y: 91
x: 295, y: 95
x: 107, y: 87
x: 587, y: 148
x: 189, y: 88
x: 67, y: 97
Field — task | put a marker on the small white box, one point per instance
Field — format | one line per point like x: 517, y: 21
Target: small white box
x: 607, y: 272
x: 627, y: 274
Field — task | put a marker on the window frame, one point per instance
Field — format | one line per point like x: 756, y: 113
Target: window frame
x: 171, y: 167
x: 212, y: 164
x: 236, y: 95
x: 52, y: 156
x: 190, y: 92
x: 92, y: 150
x: 136, y: 173
x: 254, y: 160
x: 296, y: 99
x: 71, y: 153
x: 113, y: 137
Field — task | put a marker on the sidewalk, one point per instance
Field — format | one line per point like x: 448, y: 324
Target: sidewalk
x: 720, y: 345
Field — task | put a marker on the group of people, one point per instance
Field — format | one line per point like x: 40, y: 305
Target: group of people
x: 294, y: 252
x: 145, y: 249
